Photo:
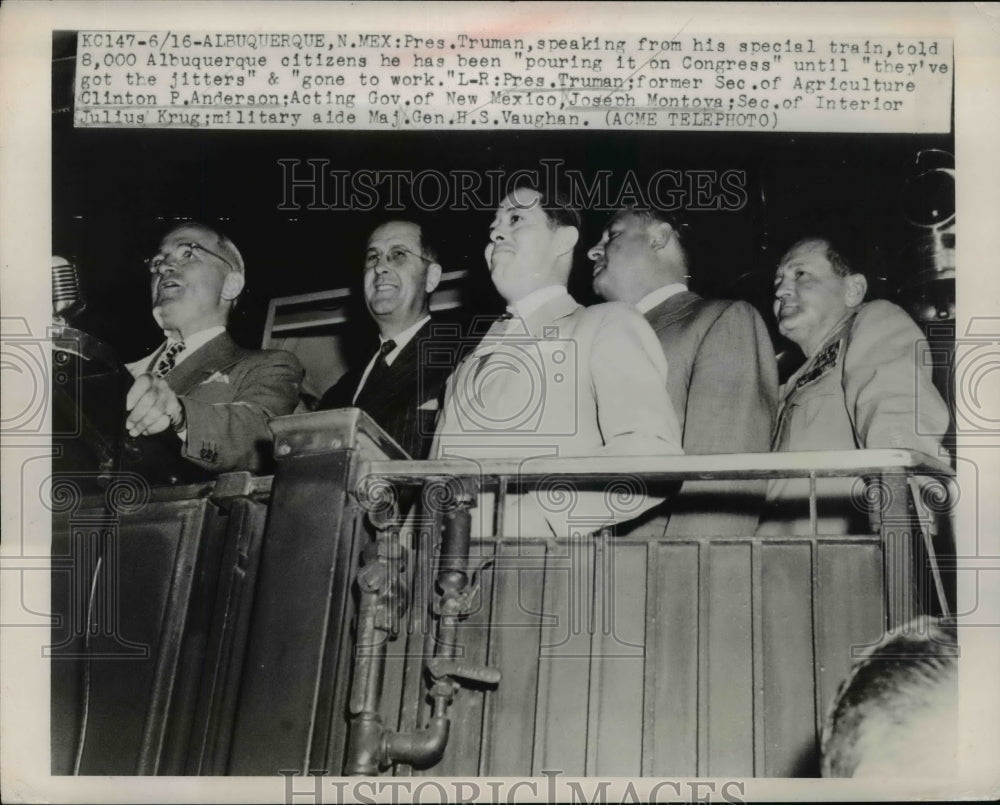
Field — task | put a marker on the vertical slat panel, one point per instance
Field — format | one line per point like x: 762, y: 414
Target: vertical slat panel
x: 849, y: 603
x: 564, y: 659
x: 672, y: 671
x: 757, y: 642
x: 618, y: 736
x: 730, y: 662
x: 519, y: 575
x: 789, y: 703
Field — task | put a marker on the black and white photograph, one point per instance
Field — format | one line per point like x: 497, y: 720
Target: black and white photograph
x: 487, y: 402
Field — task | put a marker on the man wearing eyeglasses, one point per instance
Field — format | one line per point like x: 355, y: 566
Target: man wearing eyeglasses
x: 398, y: 387
x: 216, y: 396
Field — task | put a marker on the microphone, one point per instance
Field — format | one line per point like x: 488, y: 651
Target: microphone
x: 67, y: 301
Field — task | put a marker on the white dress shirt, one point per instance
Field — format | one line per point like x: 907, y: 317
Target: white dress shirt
x: 661, y: 294
x: 190, y: 345
x: 527, y: 305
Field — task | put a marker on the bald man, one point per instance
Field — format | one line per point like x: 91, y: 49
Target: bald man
x: 213, y: 395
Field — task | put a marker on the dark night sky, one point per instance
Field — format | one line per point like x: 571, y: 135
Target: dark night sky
x: 115, y: 192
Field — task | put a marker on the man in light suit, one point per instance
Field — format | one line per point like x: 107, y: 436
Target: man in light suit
x: 723, y: 379
x: 401, y: 384
x: 208, y: 396
x: 555, y: 378
x: 864, y: 384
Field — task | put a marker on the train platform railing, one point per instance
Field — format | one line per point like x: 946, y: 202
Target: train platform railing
x: 355, y: 614
x: 906, y: 495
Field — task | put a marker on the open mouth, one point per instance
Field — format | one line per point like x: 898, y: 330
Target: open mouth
x: 168, y: 288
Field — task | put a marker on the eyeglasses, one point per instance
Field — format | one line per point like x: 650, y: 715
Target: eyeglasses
x: 181, y: 255
x: 395, y: 257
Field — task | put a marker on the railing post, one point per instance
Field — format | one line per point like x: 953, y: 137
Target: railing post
x: 900, y: 566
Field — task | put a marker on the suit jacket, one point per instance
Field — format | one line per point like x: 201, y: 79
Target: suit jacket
x: 566, y: 381
x: 229, y: 393
x: 867, y: 386
x: 723, y: 383
x: 406, y: 399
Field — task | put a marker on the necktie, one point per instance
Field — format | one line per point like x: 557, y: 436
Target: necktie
x: 380, y: 367
x: 495, y: 334
x: 168, y: 358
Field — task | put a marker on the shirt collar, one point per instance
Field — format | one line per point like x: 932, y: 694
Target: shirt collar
x: 527, y: 305
x: 202, y: 337
x: 403, y: 338
x: 661, y: 294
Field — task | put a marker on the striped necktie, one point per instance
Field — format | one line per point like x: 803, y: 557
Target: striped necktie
x: 168, y: 358
x: 379, y: 368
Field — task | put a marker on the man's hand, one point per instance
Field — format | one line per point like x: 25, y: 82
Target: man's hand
x: 153, y: 407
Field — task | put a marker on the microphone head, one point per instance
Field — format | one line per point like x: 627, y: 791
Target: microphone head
x: 66, y: 297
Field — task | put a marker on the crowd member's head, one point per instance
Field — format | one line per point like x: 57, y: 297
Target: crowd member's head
x: 401, y: 272
x: 814, y: 288
x: 896, y: 713
x: 197, y: 276
x: 639, y: 251
x: 532, y: 238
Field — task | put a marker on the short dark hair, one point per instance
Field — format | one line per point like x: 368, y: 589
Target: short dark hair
x: 910, y: 673
x: 427, y: 247
x: 651, y: 215
x: 841, y: 265
x: 556, y: 205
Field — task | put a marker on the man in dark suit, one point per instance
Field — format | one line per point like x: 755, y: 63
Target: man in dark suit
x: 202, y: 391
x: 722, y: 377
x: 400, y: 385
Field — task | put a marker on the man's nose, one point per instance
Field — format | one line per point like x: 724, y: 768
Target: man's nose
x: 782, y: 289
x: 496, y: 235
x: 596, y: 251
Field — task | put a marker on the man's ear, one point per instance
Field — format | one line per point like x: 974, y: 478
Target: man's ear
x: 433, y: 277
x: 660, y: 233
x: 857, y: 287
x: 232, y: 285
x: 566, y: 239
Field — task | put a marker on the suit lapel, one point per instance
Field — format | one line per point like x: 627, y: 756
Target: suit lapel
x: 673, y: 309
x: 396, y: 379
x: 217, y: 355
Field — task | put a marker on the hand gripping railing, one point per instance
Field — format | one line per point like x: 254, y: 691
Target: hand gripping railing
x: 373, y: 747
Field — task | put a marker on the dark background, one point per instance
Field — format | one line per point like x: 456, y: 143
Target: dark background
x: 117, y: 191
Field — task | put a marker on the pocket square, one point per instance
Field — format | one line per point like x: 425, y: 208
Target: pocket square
x: 216, y: 377
x: 430, y: 405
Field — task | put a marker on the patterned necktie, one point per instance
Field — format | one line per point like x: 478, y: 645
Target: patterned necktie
x: 379, y: 368
x: 168, y: 358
